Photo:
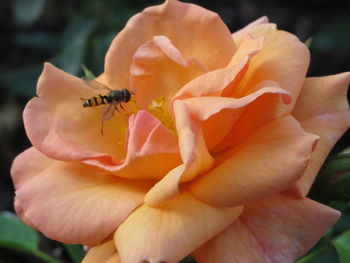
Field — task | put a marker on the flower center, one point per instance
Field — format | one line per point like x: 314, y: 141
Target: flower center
x: 159, y: 110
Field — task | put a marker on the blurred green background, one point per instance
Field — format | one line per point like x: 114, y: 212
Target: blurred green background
x: 70, y: 33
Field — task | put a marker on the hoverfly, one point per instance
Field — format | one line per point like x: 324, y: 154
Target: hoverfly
x: 112, y: 99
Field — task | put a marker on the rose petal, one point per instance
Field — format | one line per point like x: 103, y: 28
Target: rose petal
x: 277, y: 229
x: 152, y: 150
x: 249, y: 47
x: 179, y: 22
x: 35, y: 162
x: 102, y: 253
x: 322, y: 109
x: 172, y: 232
x: 223, y: 112
x: 53, y: 120
x: 283, y: 59
x: 74, y: 203
x: 265, y: 163
x: 215, y: 83
x: 258, y: 31
x: 194, y: 153
x: 270, y: 102
x: 160, y: 70
x: 114, y: 259
x: 243, y: 31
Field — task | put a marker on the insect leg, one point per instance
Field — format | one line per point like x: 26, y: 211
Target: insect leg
x: 102, y: 127
x: 116, y: 107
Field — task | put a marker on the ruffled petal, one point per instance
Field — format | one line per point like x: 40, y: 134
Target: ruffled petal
x: 283, y: 59
x: 267, y: 162
x: 172, y: 232
x: 106, y: 252
x: 270, y: 102
x: 194, y: 154
x: 322, y: 109
x: 219, y: 82
x: 248, y: 48
x: 54, y: 118
x: 74, y: 203
x: 224, y: 112
x: 152, y: 150
x: 160, y: 70
x: 274, y: 230
x: 179, y: 22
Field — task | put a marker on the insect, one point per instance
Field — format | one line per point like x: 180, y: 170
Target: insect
x: 112, y: 99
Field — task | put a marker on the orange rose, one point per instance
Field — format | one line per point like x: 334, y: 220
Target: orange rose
x: 212, y: 156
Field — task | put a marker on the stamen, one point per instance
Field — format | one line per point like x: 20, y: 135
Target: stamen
x: 159, y: 110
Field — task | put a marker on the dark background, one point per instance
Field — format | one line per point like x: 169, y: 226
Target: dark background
x: 70, y: 33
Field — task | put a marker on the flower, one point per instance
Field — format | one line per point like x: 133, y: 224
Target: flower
x: 213, y: 156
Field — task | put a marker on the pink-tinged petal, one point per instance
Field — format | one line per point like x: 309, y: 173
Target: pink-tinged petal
x: 159, y: 70
x: 74, y: 203
x: 322, y: 109
x: 278, y: 229
x: 243, y: 31
x: 224, y: 112
x: 179, y: 22
x: 283, y: 59
x: 267, y: 162
x: 194, y: 153
x: 35, y: 162
x: 152, y: 150
x: 170, y: 233
x: 102, y: 253
x: 54, y: 118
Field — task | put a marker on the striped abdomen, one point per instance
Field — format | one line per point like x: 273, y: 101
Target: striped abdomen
x: 97, y: 100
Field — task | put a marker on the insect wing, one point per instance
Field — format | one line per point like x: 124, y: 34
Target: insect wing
x: 94, y: 84
x: 108, y: 112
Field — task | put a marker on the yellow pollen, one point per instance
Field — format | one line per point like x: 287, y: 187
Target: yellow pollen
x: 159, y: 110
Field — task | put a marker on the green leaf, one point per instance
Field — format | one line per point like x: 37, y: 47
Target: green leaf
x: 339, y: 189
x: 342, y: 245
x: 16, y: 235
x: 322, y: 255
x: 27, y: 12
x: 308, y: 42
x: 188, y: 259
x: 87, y: 72
x: 75, y: 252
x: 343, y: 224
x: 333, y: 181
